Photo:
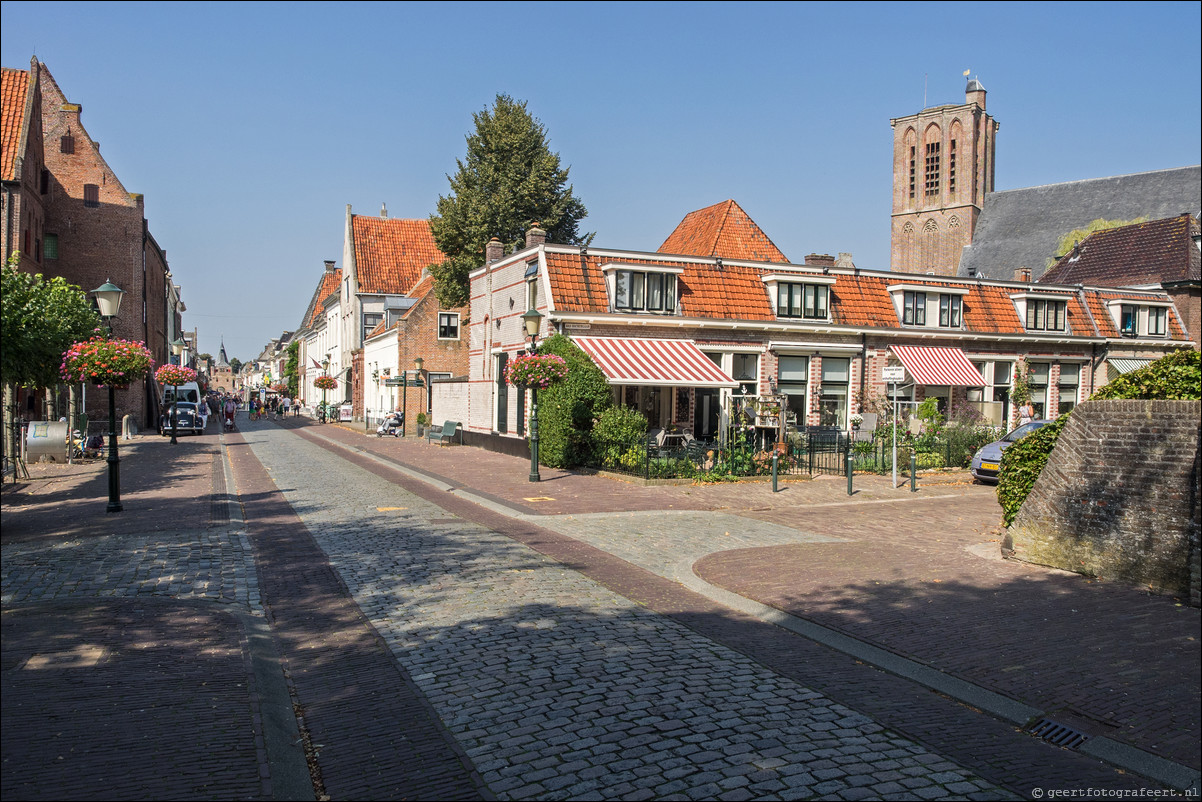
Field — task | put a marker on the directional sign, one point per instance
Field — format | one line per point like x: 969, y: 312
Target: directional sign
x: 397, y: 382
x: 893, y: 374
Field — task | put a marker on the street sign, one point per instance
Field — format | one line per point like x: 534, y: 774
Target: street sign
x: 893, y: 374
x: 397, y: 382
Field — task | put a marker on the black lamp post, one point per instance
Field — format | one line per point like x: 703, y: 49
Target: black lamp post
x: 177, y: 348
x: 108, y: 301
x: 325, y: 371
x: 418, y: 363
x: 532, y: 319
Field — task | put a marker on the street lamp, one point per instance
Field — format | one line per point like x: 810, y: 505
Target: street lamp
x: 532, y: 319
x: 325, y: 371
x: 417, y: 363
x: 108, y: 301
x: 177, y: 348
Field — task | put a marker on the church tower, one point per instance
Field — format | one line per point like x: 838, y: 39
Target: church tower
x: 942, y: 169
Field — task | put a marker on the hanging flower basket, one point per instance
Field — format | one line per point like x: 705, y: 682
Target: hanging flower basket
x: 174, y: 375
x: 325, y: 383
x: 536, y: 370
x: 106, y: 362
x: 280, y: 387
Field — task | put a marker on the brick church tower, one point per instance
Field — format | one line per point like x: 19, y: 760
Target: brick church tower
x: 942, y: 169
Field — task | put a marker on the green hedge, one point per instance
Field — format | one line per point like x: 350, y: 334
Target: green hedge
x: 567, y: 410
x: 1176, y: 377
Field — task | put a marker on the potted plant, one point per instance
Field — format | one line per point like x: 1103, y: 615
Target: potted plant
x: 856, y: 420
x: 422, y: 420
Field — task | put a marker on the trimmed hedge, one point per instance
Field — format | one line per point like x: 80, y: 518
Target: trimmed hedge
x: 567, y: 409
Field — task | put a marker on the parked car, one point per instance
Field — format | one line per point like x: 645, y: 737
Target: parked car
x: 188, y: 419
x: 987, y: 461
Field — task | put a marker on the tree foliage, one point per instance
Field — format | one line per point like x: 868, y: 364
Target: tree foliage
x: 40, y: 319
x: 568, y: 409
x: 292, y: 369
x: 1177, y: 376
x: 1077, y: 235
x: 510, y: 180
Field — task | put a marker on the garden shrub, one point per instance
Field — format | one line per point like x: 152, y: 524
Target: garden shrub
x: 567, y: 409
x: 1176, y: 377
x: 617, y: 438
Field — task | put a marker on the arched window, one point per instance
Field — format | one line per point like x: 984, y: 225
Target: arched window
x: 932, y: 162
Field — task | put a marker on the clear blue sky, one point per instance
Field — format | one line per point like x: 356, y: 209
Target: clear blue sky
x: 250, y: 126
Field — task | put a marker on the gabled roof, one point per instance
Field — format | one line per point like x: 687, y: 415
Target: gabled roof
x: 1141, y: 254
x: 1021, y: 227
x: 737, y: 291
x: 391, y: 254
x: 723, y: 230
x: 326, y: 286
x: 14, y: 88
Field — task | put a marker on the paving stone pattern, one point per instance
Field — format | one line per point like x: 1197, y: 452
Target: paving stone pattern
x: 558, y: 688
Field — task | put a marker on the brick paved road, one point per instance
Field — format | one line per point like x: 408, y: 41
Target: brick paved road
x: 556, y: 687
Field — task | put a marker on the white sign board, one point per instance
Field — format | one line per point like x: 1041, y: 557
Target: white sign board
x: 893, y: 374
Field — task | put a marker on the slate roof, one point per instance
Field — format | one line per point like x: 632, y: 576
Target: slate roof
x: 858, y: 299
x: 14, y: 86
x: 1141, y: 254
x: 1021, y: 227
x: 722, y: 230
x: 390, y: 254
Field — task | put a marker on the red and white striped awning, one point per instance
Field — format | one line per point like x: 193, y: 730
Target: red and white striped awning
x: 930, y: 365
x: 664, y: 363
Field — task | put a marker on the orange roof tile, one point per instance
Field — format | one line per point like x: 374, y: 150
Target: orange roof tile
x: 14, y: 85
x: 722, y: 230
x: 391, y: 254
x: 328, y: 284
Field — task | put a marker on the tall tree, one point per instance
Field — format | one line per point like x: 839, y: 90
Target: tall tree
x: 510, y: 180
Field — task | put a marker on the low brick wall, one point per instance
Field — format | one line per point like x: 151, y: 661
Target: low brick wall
x: 1119, y: 497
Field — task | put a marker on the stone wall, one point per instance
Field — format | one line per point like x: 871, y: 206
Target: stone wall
x: 1119, y: 497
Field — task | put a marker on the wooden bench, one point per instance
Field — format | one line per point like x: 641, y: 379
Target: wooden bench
x: 446, y: 432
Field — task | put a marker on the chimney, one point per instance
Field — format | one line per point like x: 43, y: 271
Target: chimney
x: 844, y: 260
x: 329, y: 265
x: 535, y: 236
x: 383, y: 211
x: 494, y: 251
x: 820, y: 260
x: 1023, y: 274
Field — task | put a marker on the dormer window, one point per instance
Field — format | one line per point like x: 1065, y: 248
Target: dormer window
x: 949, y: 311
x: 1140, y: 320
x: 914, y: 308
x: 808, y: 301
x: 645, y: 290
x: 1158, y: 321
x: 1128, y: 320
x: 1044, y: 314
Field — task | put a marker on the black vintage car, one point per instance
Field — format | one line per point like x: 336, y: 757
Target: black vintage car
x: 188, y: 419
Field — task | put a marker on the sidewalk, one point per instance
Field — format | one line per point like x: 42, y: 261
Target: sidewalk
x: 918, y: 575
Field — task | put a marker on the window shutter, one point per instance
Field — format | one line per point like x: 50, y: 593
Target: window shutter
x: 66, y: 144
x: 91, y: 195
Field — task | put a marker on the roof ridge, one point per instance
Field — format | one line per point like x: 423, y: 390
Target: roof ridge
x: 1091, y: 180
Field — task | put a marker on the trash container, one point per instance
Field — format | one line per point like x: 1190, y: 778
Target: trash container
x: 46, y: 439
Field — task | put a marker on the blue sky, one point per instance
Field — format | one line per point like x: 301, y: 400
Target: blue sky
x: 249, y: 127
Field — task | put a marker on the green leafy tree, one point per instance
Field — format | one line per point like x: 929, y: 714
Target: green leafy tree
x: 292, y: 369
x: 510, y: 180
x: 235, y: 364
x: 568, y: 409
x: 40, y: 319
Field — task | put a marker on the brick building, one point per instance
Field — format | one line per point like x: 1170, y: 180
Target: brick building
x: 943, y: 166
x: 68, y: 213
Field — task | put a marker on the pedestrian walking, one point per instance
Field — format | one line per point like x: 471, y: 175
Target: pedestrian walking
x: 1026, y: 413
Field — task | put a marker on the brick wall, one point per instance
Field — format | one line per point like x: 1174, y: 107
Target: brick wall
x: 1119, y: 497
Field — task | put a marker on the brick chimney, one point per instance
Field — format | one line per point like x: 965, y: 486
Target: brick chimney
x: 820, y: 260
x: 329, y: 265
x: 1023, y: 274
x: 535, y: 236
x: 494, y: 251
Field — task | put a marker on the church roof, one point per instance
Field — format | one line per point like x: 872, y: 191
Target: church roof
x: 1021, y: 227
x: 391, y: 254
x: 723, y: 230
x: 1136, y: 255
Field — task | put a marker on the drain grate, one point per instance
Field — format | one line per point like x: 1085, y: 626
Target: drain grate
x: 1056, y: 733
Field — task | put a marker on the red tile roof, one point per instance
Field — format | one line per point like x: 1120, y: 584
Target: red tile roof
x: 14, y: 86
x: 723, y: 230
x: 858, y: 299
x: 328, y: 284
x: 391, y: 254
x: 1143, y: 253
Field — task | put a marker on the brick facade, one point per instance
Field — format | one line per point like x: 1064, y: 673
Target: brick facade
x: 1119, y: 497
x: 942, y: 169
